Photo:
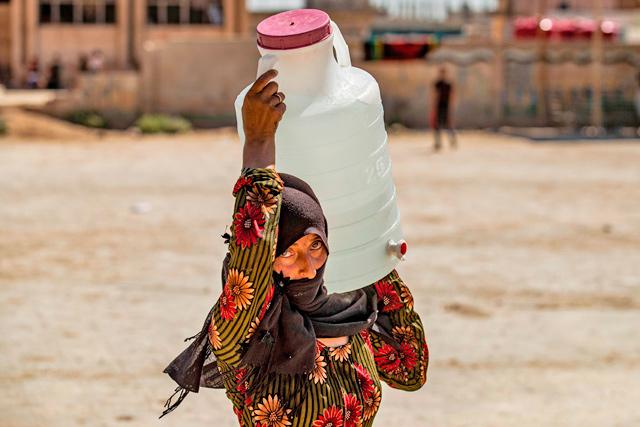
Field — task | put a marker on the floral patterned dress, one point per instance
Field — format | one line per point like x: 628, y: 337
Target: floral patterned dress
x: 344, y: 387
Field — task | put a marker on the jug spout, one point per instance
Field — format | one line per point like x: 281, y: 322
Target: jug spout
x: 397, y: 249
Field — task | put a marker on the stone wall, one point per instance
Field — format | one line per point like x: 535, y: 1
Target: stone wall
x: 407, y: 91
x: 114, y: 93
x: 69, y: 43
x: 199, y: 78
x: 203, y: 78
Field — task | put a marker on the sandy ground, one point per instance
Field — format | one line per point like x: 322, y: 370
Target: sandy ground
x: 524, y: 261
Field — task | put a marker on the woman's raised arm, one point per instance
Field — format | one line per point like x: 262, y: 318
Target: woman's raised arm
x: 249, y: 284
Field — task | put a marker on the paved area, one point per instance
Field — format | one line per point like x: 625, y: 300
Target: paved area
x: 524, y: 261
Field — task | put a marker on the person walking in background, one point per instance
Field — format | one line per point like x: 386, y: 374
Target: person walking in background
x: 33, y: 74
x: 637, y: 101
x: 441, y: 110
x: 53, y: 78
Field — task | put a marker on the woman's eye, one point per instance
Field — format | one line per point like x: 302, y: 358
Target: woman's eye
x: 316, y: 245
x: 287, y: 253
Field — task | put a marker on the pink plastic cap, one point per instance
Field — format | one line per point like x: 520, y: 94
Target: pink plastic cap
x: 294, y: 29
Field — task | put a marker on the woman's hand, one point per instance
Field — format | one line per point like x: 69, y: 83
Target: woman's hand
x: 262, y: 110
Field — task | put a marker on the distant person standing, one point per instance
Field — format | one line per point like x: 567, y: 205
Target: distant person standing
x: 637, y: 101
x: 443, y: 97
x: 53, y: 81
x: 33, y: 74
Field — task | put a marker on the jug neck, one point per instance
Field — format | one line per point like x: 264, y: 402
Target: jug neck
x: 307, y: 71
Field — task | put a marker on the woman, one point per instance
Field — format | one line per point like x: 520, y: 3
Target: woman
x: 287, y: 352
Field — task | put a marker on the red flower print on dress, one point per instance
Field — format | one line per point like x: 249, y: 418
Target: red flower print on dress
x: 241, y: 380
x: 387, y: 359
x: 331, y: 417
x: 227, y: 305
x: 248, y: 224
x: 267, y: 301
x: 387, y: 296
x: 408, y: 356
x: 364, y: 378
x: 352, y: 411
x: 238, y: 413
x: 240, y: 183
x: 424, y: 363
x: 367, y: 339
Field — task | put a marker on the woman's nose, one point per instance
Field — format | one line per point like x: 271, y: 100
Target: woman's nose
x: 306, y: 270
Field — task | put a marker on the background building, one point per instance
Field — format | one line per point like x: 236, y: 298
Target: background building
x: 70, y: 29
x: 192, y: 57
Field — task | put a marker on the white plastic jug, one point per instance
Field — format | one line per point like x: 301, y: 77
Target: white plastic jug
x: 333, y: 136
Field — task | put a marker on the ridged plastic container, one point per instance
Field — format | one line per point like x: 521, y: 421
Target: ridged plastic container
x: 333, y: 136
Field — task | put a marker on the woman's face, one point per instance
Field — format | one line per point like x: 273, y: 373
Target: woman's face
x: 302, y: 259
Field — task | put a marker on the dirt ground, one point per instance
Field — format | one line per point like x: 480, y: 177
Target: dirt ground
x: 524, y: 260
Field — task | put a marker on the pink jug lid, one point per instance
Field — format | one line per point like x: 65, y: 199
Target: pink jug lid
x: 294, y: 29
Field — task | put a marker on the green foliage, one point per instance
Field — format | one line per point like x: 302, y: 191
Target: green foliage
x: 162, y: 123
x: 90, y: 119
x: 3, y: 127
x: 210, y: 121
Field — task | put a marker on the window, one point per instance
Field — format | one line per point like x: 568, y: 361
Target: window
x: 90, y: 12
x: 152, y: 14
x: 110, y: 13
x: 45, y: 13
x: 173, y: 14
x: 66, y: 13
x: 77, y: 11
x: 185, y: 12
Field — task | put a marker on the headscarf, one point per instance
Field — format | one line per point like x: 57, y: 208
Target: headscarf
x: 301, y: 311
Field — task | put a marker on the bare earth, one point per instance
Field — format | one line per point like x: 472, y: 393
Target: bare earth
x: 524, y: 262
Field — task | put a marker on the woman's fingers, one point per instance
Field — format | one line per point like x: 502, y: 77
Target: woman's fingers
x: 263, y: 108
x: 276, y: 99
x: 280, y: 108
x: 262, y: 81
x: 269, y: 90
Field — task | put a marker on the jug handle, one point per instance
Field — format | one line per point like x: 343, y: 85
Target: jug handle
x: 341, y: 47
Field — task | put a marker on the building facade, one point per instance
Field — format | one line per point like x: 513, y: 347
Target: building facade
x: 69, y: 29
